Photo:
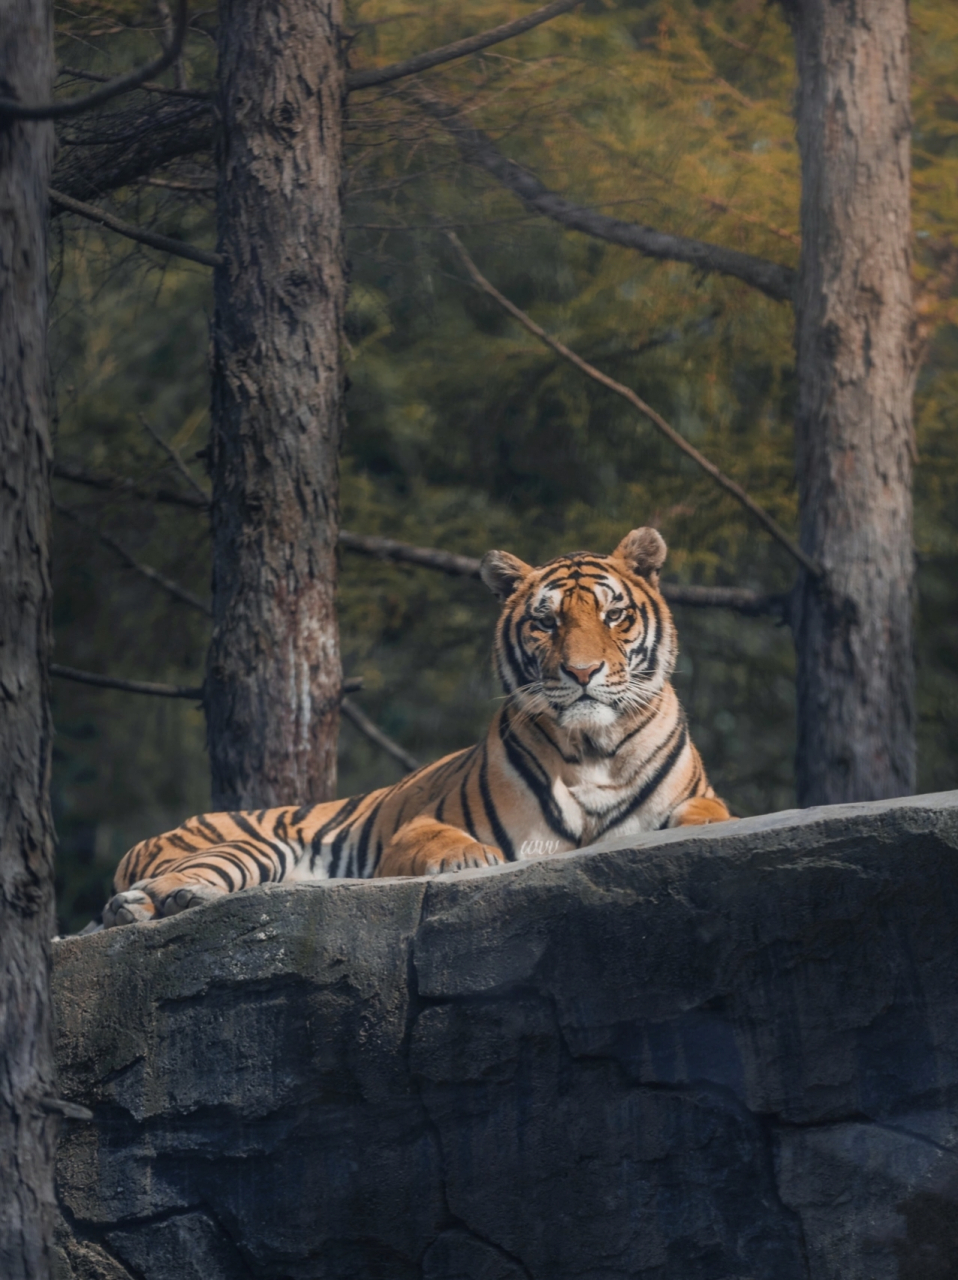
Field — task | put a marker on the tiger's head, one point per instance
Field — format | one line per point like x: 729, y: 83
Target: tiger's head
x: 584, y: 638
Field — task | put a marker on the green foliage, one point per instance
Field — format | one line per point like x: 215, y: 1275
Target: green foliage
x: 464, y: 433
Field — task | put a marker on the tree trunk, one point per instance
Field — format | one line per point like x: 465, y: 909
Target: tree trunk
x: 273, y: 674
x: 854, y: 442
x: 27, y: 1134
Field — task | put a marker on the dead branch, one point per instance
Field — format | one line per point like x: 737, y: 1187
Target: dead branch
x: 771, y: 278
x: 101, y: 155
x: 14, y: 110
x: 175, y: 458
x: 742, y: 599
x: 195, y: 693
x: 405, y: 553
x: 768, y: 522
x: 122, y: 484
x: 458, y: 49
x: 144, y: 570
x: 178, y: 247
x: 372, y: 731
x: 200, y: 95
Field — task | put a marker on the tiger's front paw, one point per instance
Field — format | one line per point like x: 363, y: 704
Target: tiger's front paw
x: 164, y: 896
x: 128, y: 907
x: 426, y: 847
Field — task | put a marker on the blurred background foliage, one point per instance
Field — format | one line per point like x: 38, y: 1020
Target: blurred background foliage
x: 465, y: 434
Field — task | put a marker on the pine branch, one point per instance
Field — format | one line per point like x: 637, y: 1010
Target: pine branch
x: 405, y: 553
x: 122, y: 484
x: 477, y: 149
x: 195, y: 693
x: 175, y: 458
x: 198, y: 95
x: 742, y: 599
x: 144, y: 570
x: 13, y: 110
x: 458, y: 49
x: 101, y: 155
x: 768, y: 522
x: 372, y: 731
x: 178, y: 247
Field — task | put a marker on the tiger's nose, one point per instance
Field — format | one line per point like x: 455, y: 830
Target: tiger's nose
x: 582, y: 674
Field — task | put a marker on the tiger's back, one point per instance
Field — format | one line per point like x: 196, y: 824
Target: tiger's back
x: 590, y: 742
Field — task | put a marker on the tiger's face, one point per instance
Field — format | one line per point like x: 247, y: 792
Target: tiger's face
x: 584, y: 638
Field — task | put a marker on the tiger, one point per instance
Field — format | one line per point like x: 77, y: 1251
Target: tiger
x: 590, y: 742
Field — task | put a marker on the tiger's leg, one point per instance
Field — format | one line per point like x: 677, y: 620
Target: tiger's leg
x: 426, y: 847
x: 184, y: 883
x: 699, y: 811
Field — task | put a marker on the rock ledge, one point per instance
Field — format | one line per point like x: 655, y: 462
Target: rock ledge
x: 730, y: 1053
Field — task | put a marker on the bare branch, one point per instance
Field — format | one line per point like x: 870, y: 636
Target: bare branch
x: 199, y: 95
x: 405, y: 553
x: 195, y: 693
x: 165, y: 243
x: 768, y: 522
x: 372, y: 731
x: 742, y: 599
x: 175, y: 458
x: 122, y: 484
x: 100, y: 155
x: 459, y: 49
x: 144, y: 570
x: 476, y: 148
x: 14, y: 110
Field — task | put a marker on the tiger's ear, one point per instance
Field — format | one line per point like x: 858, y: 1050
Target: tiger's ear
x: 644, y: 551
x: 502, y: 573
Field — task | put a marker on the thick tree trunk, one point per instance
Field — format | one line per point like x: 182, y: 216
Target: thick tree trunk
x: 856, y: 736
x: 27, y: 1134
x: 274, y: 675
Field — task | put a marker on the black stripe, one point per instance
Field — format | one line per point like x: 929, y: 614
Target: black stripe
x: 205, y: 823
x: 502, y: 840
x: 653, y: 783
x: 364, y: 837
x: 540, y: 785
x: 466, y: 811
x: 341, y: 815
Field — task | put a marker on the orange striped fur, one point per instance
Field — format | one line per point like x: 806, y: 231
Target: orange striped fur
x: 590, y: 742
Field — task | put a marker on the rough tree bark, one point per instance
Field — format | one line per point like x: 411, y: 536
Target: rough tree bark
x: 27, y: 1133
x: 854, y: 443
x: 273, y: 673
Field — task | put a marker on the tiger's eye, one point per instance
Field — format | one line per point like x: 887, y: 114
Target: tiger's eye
x: 613, y: 616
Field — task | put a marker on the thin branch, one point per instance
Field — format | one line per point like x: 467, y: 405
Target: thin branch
x: 458, y: 49
x: 175, y: 458
x: 165, y: 243
x: 768, y: 522
x: 373, y: 732
x: 741, y: 599
x: 405, y: 553
x: 144, y: 570
x: 122, y: 484
x: 199, y: 95
x: 14, y: 110
x: 195, y: 693
x: 476, y: 148
x: 101, y: 155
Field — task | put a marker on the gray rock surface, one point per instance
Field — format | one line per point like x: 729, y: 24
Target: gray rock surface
x: 730, y: 1052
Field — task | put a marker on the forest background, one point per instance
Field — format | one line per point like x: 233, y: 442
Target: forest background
x: 462, y: 432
